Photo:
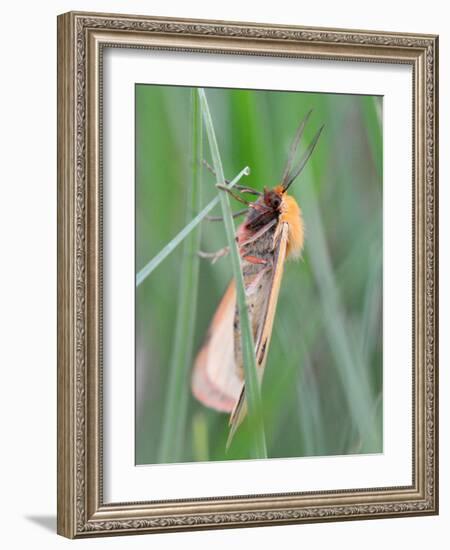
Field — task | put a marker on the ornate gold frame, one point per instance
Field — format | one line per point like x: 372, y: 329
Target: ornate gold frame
x: 81, y: 39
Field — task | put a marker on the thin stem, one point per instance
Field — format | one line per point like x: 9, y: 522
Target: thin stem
x: 248, y: 347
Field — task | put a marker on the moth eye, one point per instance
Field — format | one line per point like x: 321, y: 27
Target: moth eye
x: 276, y: 202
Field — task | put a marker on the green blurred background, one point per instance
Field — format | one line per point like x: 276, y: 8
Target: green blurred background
x: 322, y: 389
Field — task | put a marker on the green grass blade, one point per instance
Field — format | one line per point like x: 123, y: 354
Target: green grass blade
x: 252, y: 388
x: 170, y: 247
x: 174, y: 418
x: 373, y: 122
x: 200, y: 437
x: 360, y: 398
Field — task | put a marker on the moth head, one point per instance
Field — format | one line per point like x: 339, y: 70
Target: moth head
x: 273, y: 197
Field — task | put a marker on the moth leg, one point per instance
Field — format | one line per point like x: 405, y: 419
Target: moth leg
x: 214, y: 256
x: 228, y: 190
x: 220, y: 218
x: 241, y: 188
x: 249, y: 190
x: 210, y: 168
x: 255, y: 260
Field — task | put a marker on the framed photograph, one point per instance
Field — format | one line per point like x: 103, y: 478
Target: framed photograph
x: 247, y: 274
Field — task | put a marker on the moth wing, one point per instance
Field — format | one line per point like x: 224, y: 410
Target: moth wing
x: 215, y: 380
x: 265, y: 330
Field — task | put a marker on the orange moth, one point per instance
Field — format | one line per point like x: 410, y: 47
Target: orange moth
x: 272, y: 232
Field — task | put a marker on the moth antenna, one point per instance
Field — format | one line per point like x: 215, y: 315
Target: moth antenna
x: 294, y: 175
x: 206, y: 164
x: 294, y: 146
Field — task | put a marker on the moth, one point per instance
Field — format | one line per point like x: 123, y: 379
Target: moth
x: 272, y: 232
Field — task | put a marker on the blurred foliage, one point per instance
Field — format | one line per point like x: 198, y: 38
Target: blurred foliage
x: 322, y: 389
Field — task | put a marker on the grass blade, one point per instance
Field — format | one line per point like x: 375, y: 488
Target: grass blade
x: 174, y: 418
x: 248, y: 347
x: 373, y: 122
x: 200, y: 438
x: 357, y: 386
x: 170, y: 247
